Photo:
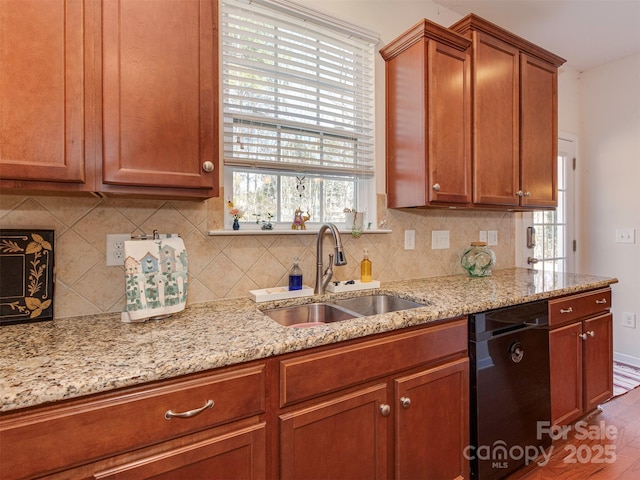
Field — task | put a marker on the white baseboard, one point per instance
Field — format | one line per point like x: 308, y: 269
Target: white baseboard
x: 628, y: 359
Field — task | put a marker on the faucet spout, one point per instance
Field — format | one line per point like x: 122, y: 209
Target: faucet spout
x: 322, y: 280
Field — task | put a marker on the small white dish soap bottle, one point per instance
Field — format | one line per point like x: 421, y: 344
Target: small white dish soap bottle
x: 295, y: 276
x: 365, y: 268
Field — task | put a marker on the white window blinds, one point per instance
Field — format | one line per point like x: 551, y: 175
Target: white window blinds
x: 298, y: 90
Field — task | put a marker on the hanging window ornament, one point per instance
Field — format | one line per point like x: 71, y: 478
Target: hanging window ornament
x: 300, y: 187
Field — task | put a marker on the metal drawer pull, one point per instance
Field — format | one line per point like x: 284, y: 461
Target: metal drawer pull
x: 405, y: 402
x: 169, y: 414
x: 568, y: 310
x: 602, y: 302
x: 591, y: 333
x: 583, y: 336
x: 385, y: 410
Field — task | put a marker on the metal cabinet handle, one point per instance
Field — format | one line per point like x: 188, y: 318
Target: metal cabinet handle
x: 405, y: 402
x: 436, y: 187
x: 527, y: 194
x: 519, y: 193
x: 583, y: 336
x: 169, y: 414
x: 385, y: 410
x: 602, y: 302
x: 208, y: 166
x: 568, y: 310
x: 591, y: 333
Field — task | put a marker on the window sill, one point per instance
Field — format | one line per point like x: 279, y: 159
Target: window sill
x: 310, y: 231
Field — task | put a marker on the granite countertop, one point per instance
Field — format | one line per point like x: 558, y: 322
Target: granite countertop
x: 67, y: 358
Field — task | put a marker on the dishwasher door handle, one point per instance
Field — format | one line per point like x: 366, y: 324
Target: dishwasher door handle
x: 510, y: 329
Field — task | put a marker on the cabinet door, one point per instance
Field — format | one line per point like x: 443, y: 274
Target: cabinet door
x: 42, y: 90
x: 565, y: 360
x: 428, y: 120
x: 449, y: 125
x: 496, y: 124
x: 239, y: 455
x: 598, y: 361
x: 538, y: 133
x: 159, y: 98
x: 345, y: 437
x: 406, y: 127
x: 432, y: 423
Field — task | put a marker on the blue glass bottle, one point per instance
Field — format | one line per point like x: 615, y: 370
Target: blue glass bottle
x: 295, y: 276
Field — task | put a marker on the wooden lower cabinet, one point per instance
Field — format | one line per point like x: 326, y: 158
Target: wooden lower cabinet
x: 218, y: 419
x: 598, y: 361
x: 348, y: 436
x: 237, y: 455
x: 345, y: 437
x: 432, y: 423
x: 581, y: 359
x: 407, y: 416
x: 565, y: 355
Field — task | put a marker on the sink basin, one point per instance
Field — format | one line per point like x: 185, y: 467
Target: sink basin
x: 376, y: 304
x: 310, y: 314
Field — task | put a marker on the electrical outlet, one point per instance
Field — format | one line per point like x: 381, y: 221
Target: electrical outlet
x: 115, y: 248
x: 625, y: 235
x: 409, y: 239
x: 492, y: 238
x: 628, y: 320
x: 439, y: 239
x: 482, y: 236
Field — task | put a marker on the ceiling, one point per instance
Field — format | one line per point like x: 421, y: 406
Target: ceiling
x: 587, y: 33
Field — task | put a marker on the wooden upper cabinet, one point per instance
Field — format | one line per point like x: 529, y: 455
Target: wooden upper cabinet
x: 428, y: 118
x: 42, y: 109
x: 159, y: 100
x: 538, y: 132
x: 119, y: 96
x: 496, y: 121
x: 515, y: 126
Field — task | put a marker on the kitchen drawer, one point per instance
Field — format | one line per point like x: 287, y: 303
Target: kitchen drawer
x: 574, y: 307
x: 308, y: 376
x: 107, y: 424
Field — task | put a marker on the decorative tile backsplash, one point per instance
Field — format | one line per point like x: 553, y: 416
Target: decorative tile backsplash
x: 230, y: 266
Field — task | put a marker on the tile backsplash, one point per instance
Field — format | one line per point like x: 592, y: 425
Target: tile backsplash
x: 230, y: 266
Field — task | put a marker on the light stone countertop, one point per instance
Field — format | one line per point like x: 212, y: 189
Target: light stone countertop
x: 61, y: 359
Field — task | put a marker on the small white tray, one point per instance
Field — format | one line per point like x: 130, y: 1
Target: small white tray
x: 357, y: 285
x: 278, y: 293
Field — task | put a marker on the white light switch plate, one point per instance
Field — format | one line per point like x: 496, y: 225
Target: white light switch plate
x: 492, y: 238
x: 439, y: 239
x: 409, y: 239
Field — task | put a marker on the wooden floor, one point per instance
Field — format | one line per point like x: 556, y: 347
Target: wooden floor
x: 584, y: 458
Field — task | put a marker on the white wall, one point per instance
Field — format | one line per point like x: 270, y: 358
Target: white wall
x: 609, y: 195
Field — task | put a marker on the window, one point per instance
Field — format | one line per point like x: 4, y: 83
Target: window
x: 298, y: 112
x: 554, y: 245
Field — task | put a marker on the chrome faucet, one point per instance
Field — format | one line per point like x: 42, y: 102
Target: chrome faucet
x: 322, y: 279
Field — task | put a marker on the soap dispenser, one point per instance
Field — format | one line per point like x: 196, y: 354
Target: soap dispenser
x: 365, y: 268
x: 295, y: 276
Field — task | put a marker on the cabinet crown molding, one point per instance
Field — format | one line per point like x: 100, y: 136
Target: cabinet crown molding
x: 475, y: 23
x: 424, y: 29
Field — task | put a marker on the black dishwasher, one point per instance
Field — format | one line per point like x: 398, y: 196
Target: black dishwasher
x: 510, y: 393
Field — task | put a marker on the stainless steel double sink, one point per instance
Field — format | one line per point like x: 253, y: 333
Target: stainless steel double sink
x: 338, y: 310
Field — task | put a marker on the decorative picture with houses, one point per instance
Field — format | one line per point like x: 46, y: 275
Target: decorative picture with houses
x: 156, y: 276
